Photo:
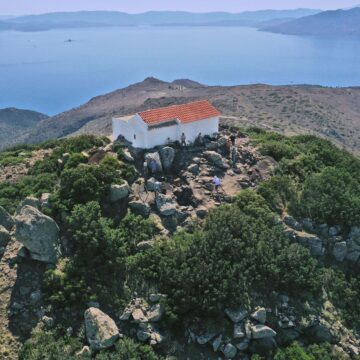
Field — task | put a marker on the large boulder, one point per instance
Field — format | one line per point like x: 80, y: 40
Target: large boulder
x: 101, y: 330
x: 5, y: 219
x: 39, y: 234
x: 140, y: 208
x: 229, y: 351
x: 216, y: 159
x: 119, y: 192
x: 259, y: 315
x: 167, y: 154
x: 165, y: 204
x: 236, y: 315
x: 154, y: 158
x: 312, y: 242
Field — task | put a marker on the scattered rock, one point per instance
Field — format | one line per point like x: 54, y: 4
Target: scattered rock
x: 204, y: 338
x: 229, y: 351
x: 5, y: 219
x: 143, y: 335
x: 238, y: 331
x: 39, y: 234
x: 128, y: 157
x: 216, y: 159
x: 101, y: 330
x: 243, y: 345
x: 165, y: 204
x: 155, y: 313
x: 84, y: 351
x: 44, y: 200
x: 294, y: 224
x: 201, y: 212
x: 138, y: 316
x: 140, y: 208
x: 216, y: 343
x: 259, y: 315
x: 236, y: 315
x: 262, y: 331
x: 119, y: 192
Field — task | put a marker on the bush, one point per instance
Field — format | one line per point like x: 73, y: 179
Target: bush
x: 96, y: 268
x: 50, y: 345
x: 128, y: 349
x: 240, y: 249
x: 332, y: 197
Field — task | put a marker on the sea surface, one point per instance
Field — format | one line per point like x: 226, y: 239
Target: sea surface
x: 44, y: 71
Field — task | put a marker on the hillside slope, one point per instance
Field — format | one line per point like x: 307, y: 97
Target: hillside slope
x: 327, y: 23
x: 14, y: 121
x: 333, y: 113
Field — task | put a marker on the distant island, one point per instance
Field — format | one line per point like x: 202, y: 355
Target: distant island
x: 327, y: 23
x: 86, y: 19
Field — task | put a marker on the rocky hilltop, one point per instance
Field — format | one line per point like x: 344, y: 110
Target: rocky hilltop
x: 332, y: 113
x: 104, y: 256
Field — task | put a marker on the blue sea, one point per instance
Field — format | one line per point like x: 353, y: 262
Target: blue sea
x: 45, y: 72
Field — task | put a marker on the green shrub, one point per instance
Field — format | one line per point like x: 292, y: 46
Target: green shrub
x: 75, y: 160
x: 50, y: 346
x: 240, y: 248
x: 332, y: 197
x: 128, y: 349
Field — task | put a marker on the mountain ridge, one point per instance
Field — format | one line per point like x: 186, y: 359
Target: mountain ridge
x: 332, y: 113
x: 327, y: 23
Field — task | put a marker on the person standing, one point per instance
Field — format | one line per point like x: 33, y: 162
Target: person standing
x: 233, y: 139
x: 183, y: 140
x: 217, y: 183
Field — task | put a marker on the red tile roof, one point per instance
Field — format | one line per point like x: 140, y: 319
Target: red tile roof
x: 186, y: 113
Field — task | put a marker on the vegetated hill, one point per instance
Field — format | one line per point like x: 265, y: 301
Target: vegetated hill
x: 113, y: 18
x: 13, y: 122
x: 327, y: 23
x: 333, y: 113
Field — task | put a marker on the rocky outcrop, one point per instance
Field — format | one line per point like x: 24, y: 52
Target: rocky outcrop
x: 119, y: 192
x: 144, y: 317
x: 323, y: 240
x: 38, y: 233
x: 101, y: 330
x: 5, y: 219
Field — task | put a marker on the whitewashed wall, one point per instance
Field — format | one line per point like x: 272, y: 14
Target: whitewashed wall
x: 206, y: 127
x: 147, y: 139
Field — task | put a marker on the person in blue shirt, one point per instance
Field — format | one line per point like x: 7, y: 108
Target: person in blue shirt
x: 217, y: 183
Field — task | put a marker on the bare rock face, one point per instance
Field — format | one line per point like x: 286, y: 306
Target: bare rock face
x: 5, y: 219
x: 38, y: 233
x: 101, y: 330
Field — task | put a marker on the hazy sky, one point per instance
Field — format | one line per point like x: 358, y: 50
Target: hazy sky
x: 40, y: 6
